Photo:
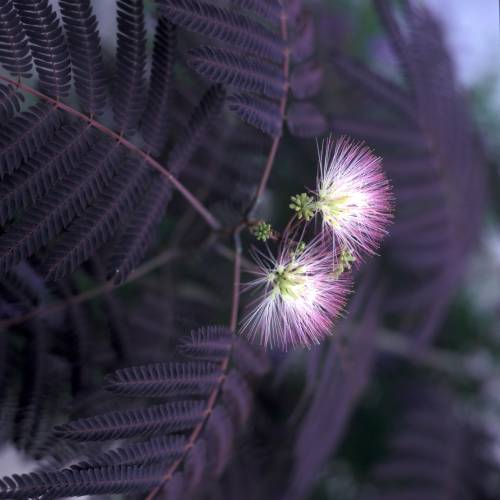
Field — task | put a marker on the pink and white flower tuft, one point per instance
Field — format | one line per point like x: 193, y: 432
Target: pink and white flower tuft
x: 301, y: 297
x: 353, y: 195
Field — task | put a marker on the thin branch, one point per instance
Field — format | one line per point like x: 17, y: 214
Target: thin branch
x: 276, y: 141
x: 192, y: 200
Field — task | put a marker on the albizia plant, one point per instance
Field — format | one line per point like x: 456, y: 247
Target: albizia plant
x: 304, y: 287
x: 301, y: 296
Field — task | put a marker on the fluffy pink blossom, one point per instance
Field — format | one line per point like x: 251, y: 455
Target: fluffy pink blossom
x: 354, y: 197
x: 301, y: 295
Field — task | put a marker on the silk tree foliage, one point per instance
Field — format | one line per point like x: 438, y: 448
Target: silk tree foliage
x: 143, y: 184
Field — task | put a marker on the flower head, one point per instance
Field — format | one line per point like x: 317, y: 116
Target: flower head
x: 303, y: 205
x: 263, y: 231
x: 301, y: 297
x: 353, y: 195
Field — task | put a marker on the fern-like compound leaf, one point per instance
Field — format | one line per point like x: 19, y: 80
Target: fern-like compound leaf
x: 75, y: 482
x: 162, y: 449
x: 48, y: 45
x: 10, y: 102
x: 198, y: 127
x: 25, y: 134
x: 140, y: 231
x: 233, y: 68
x: 208, y: 343
x: 262, y: 114
x: 164, y: 379
x: 98, y: 223
x: 267, y: 9
x: 224, y: 25
x: 159, y: 419
x: 34, y: 178
x: 15, y: 55
x: 157, y: 115
x: 45, y: 220
x: 129, y: 85
x: 84, y: 44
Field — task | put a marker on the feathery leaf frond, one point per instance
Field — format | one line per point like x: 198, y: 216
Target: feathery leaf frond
x: 198, y: 127
x: 210, y: 343
x: 34, y: 178
x: 69, y: 198
x: 15, y: 55
x: 268, y: 9
x: 140, y: 230
x: 231, y: 68
x: 129, y: 84
x: 10, y: 102
x: 98, y: 223
x: 164, y: 379
x: 25, y: 134
x: 224, y: 25
x: 48, y: 45
x: 84, y: 45
x: 262, y: 114
x: 157, y: 115
x: 162, y: 449
x: 74, y: 482
x: 159, y: 419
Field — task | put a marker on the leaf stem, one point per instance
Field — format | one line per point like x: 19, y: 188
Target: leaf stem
x: 266, y: 173
x: 191, y: 199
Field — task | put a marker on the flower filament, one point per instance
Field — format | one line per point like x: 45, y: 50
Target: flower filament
x: 336, y: 207
x: 291, y: 282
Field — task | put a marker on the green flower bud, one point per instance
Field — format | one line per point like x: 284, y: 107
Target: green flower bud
x: 304, y: 205
x: 262, y: 231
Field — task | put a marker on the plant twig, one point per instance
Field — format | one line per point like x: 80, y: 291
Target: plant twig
x: 191, y: 199
x: 276, y: 141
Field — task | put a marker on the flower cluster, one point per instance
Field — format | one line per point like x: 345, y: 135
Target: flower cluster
x: 301, y: 298
x: 304, y: 287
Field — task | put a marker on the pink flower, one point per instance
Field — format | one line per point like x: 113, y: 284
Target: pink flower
x: 301, y: 297
x: 353, y: 195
